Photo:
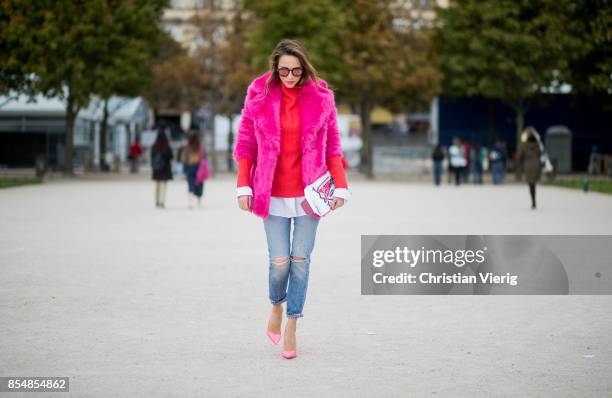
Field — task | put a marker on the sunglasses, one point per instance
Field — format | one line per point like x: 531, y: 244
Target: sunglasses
x: 284, y: 72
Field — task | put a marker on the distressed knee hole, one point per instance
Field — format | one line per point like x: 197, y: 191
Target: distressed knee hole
x: 280, y: 261
x: 297, y: 259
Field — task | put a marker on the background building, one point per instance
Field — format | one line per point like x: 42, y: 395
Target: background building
x: 30, y: 128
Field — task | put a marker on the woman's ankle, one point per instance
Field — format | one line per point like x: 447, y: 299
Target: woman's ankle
x: 291, y: 324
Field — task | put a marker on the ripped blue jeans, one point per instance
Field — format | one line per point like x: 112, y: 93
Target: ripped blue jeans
x: 290, y: 260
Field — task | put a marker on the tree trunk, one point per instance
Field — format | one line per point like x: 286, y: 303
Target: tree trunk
x: 103, y: 139
x: 230, y: 144
x: 71, y: 113
x: 214, y: 90
x: 367, y: 150
x: 520, y: 123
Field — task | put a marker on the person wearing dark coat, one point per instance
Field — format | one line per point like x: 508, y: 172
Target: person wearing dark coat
x: 528, y: 161
x: 161, y: 162
x: 497, y: 158
x: 190, y: 157
x: 438, y: 158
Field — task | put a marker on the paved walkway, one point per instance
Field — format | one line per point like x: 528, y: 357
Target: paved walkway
x: 131, y: 301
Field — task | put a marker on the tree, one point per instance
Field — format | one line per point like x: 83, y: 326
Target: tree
x: 225, y: 65
x: 381, y: 64
x: 133, y: 39
x: 235, y: 57
x: 211, y: 23
x: 312, y: 22
x: 506, y: 49
x: 68, y: 49
x: 591, y: 74
x: 356, y: 47
x: 175, y: 82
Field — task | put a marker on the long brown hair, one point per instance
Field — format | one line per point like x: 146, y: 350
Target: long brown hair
x: 295, y: 48
x: 193, y: 142
x: 161, y: 142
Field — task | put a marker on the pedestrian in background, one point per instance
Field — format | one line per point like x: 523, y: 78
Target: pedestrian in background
x: 497, y: 158
x: 191, y: 155
x: 437, y: 157
x: 161, y: 164
x: 134, y: 155
x: 456, y: 158
x: 528, y: 160
x: 476, y: 160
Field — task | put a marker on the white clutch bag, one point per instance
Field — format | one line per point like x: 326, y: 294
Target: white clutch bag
x: 318, y: 196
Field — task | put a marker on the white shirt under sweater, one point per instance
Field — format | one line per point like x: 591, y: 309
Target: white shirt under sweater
x: 289, y: 207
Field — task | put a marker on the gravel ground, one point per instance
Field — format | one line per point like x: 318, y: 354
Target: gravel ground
x: 132, y: 301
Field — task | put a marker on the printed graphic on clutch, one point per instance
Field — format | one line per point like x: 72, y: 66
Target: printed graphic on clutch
x: 326, y: 189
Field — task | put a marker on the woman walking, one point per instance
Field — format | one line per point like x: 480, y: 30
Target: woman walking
x: 190, y: 157
x: 528, y: 160
x: 288, y: 138
x: 161, y: 158
x: 437, y: 158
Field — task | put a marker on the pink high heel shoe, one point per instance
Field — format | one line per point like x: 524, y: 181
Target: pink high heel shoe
x: 274, y: 337
x: 289, y: 354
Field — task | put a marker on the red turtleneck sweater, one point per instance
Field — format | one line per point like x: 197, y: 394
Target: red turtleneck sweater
x: 287, y: 181
x: 288, y: 173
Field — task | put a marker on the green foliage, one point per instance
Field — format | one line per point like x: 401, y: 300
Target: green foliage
x: 312, y: 22
x: 592, y: 73
x: 383, y: 64
x: 507, y: 49
x: 17, y: 182
x: 356, y: 47
x: 73, y: 49
x: 86, y: 47
x: 595, y: 185
x: 133, y: 38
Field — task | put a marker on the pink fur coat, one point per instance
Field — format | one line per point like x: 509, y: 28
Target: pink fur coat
x: 259, y: 135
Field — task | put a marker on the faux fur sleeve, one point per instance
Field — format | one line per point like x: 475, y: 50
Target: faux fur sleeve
x: 333, y: 135
x: 246, y: 143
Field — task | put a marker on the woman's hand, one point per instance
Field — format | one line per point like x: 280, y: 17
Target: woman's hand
x: 336, y: 202
x: 244, y: 202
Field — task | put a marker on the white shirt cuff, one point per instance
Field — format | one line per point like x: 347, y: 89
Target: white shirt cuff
x: 343, y: 193
x: 246, y: 190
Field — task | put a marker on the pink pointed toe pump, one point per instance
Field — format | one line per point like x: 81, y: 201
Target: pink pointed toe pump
x: 289, y: 354
x: 274, y: 337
